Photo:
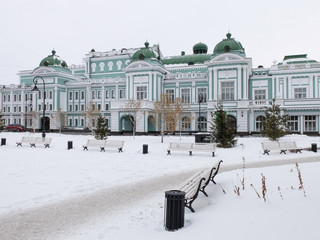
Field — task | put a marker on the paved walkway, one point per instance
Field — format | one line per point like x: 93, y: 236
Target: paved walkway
x: 53, y: 221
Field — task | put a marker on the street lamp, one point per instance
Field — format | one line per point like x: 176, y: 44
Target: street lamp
x: 35, y: 81
x: 199, y: 119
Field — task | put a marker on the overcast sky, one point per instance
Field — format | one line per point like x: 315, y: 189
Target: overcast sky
x: 268, y: 30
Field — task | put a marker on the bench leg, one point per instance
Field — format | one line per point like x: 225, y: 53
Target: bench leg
x: 190, y: 153
x: 102, y: 149
x: 19, y: 144
x: 85, y: 148
x: 32, y: 145
x: 168, y: 152
x: 188, y: 205
x: 298, y: 150
x: 46, y: 145
x: 266, y: 152
x: 120, y: 149
x: 283, y: 151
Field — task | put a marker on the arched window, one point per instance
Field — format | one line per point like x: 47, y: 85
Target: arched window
x: 170, y: 125
x: 259, y: 121
x: 93, y: 67
x: 101, y: 65
x: 110, y: 65
x: 185, y: 124
x: 119, y: 64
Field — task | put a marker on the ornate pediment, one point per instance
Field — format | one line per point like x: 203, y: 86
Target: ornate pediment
x: 41, y: 70
x: 139, y: 64
x: 227, y: 57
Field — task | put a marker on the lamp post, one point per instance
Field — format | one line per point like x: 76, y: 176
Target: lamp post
x: 199, y: 119
x: 35, y: 81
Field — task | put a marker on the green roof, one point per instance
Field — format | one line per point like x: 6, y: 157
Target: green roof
x: 53, y: 60
x: 144, y: 53
x: 188, y: 59
x: 298, y: 58
x: 228, y: 45
x: 200, y: 48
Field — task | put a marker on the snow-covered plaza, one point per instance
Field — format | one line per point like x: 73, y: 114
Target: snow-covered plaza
x: 55, y: 193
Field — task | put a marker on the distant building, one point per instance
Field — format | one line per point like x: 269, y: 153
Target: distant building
x: 109, y: 79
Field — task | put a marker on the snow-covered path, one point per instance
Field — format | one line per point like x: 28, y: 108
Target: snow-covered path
x: 61, y: 218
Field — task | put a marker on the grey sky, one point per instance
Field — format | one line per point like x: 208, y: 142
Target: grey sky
x: 268, y: 30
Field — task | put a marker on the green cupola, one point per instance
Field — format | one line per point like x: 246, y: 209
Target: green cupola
x: 53, y: 60
x: 200, y: 48
x: 144, y: 53
x: 228, y: 45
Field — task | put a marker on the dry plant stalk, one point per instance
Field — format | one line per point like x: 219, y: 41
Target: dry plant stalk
x: 264, y: 188
x: 222, y: 189
x: 300, y: 180
x: 279, y: 189
x: 237, y: 190
x: 243, y: 167
x: 255, y: 190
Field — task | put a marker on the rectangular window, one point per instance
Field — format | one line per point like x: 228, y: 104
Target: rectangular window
x: 70, y: 95
x: 112, y: 94
x: 70, y: 108
x: 4, y: 98
x: 260, y: 94
x: 39, y: 94
x: 4, y: 109
x: 99, y: 107
x: 39, y: 107
x: 82, y: 95
x: 70, y: 122
x: 142, y: 92
x: 107, y: 94
x: 50, y: 107
x: 99, y: 94
x: 14, y: 109
x: 300, y: 93
x: 293, y: 123
x: 76, y: 122
x: 227, y: 90
x: 82, y: 107
x: 107, y: 107
x: 9, y: 98
x: 93, y: 94
x: 82, y: 122
x: 19, y: 97
x: 50, y: 94
x: 14, y: 98
x: 310, y: 123
x: 19, y: 109
x: 170, y: 94
x: 202, y: 94
x: 76, y: 95
x: 76, y: 107
x: 185, y: 95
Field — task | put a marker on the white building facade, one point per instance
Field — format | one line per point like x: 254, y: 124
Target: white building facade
x: 109, y: 80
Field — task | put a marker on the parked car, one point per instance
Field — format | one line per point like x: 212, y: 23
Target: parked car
x: 15, y: 127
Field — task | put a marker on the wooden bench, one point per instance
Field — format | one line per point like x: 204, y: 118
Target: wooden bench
x: 179, y: 146
x: 290, y: 146
x: 103, y: 144
x: 95, y: 143
x: 279, y: 146
x: 35, y: 140
x: 192, y: 147
x: 115, y: 144
x: 204, y: 147
x: 197, y: 183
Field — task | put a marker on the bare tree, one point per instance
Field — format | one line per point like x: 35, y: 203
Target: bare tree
x: 91, y: 113
x: 60, y: 119
x: 162, y: 109
x: 132, y: 107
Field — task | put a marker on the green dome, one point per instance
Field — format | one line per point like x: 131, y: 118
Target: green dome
x: 144, y: 53
x: 228, y: 45
x: 200, y: 48
x: 53, y: 60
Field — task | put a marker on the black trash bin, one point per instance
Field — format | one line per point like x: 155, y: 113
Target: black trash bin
x: 202, y: 137
x: 3, y: 141
x: 145, y: 148
x: 70, y: 145
x: 313, y: 147
x: 174, y: 210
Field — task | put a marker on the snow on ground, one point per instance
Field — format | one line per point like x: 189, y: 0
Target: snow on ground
x: 73, y: 194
